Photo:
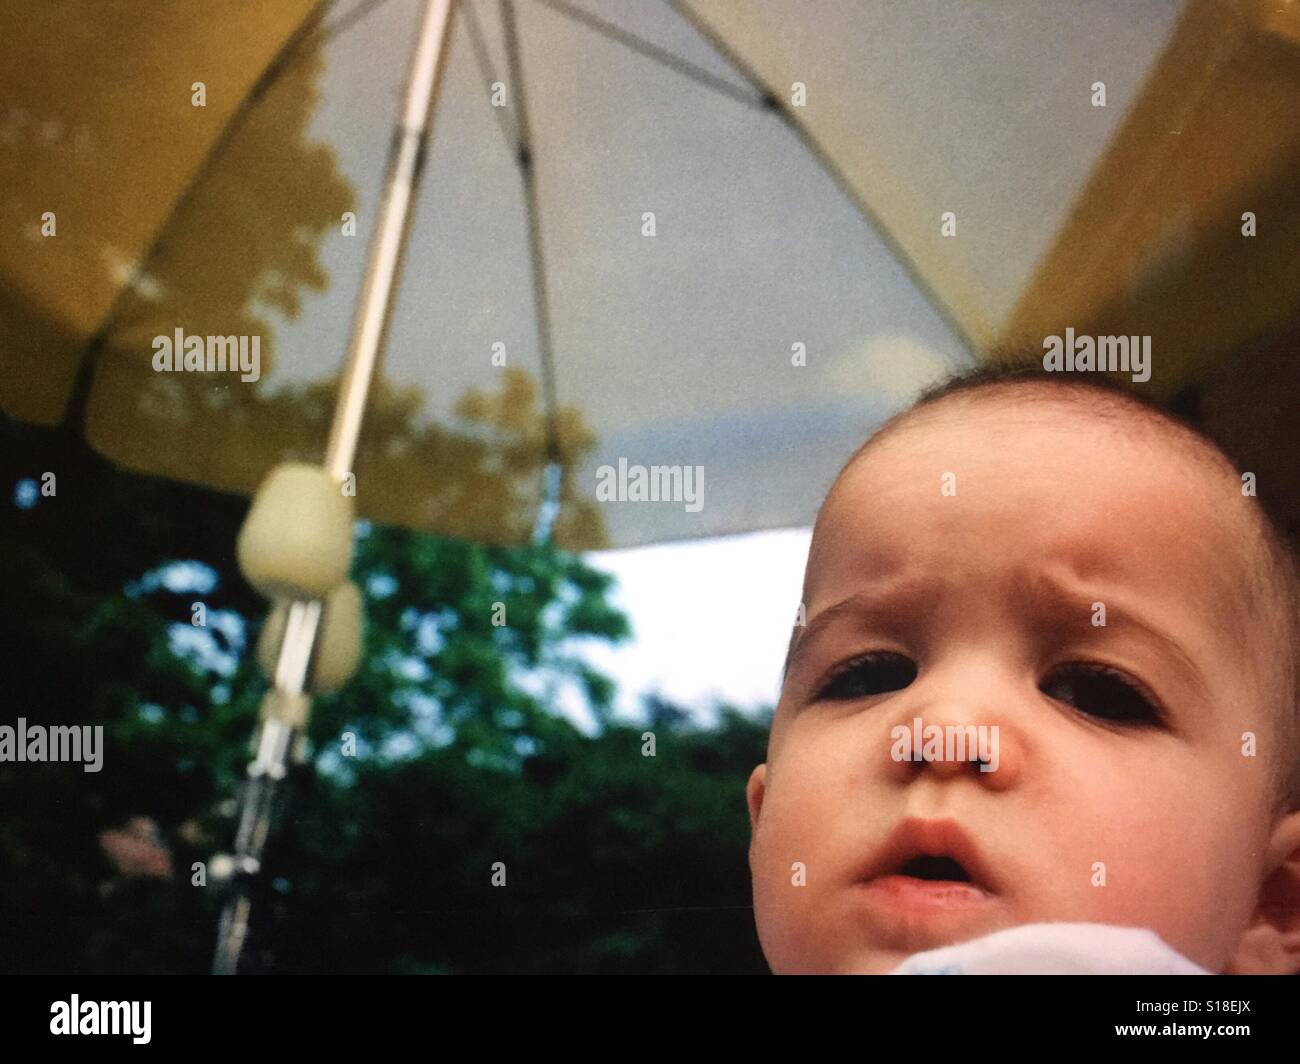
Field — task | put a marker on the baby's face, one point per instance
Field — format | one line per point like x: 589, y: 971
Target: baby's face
x: 1119, y: 797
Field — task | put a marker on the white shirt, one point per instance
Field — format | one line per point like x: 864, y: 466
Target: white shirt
x: 1055, y: 949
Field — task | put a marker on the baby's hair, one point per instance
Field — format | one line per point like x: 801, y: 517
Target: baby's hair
x: 1274, y: 566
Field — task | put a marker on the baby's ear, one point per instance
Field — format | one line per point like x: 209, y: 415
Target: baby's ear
x: 1271, y: 944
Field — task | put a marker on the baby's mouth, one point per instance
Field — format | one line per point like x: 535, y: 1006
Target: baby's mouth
x: 927, y: 882
x: 927, y: 885
x: 931, y: 856
x: 930, y: 881
x: 935, y: 870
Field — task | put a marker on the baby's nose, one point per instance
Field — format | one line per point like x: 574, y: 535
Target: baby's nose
x: 946, y: 738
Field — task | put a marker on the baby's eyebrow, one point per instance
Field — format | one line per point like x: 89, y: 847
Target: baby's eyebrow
x: 892, y: 595
x: 1039, y: 592
x: 1045, y: 592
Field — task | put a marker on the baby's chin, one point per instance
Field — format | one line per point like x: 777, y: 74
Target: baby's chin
x: 874, y: 942
x: 840, y: 956
x: 865, y: 961
x: 868, y: 962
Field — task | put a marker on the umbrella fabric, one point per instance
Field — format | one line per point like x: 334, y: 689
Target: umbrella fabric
x: 1098, y: 159
x: 98, y: 128
x: 741, y: 283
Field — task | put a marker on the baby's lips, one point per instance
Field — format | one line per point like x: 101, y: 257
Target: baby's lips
x: 915, y: 837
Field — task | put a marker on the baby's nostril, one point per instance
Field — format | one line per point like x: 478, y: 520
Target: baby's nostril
x: 935, y: 869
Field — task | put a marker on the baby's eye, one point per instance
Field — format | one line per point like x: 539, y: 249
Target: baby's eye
x: 871, y: 674
x: 1102, y: 692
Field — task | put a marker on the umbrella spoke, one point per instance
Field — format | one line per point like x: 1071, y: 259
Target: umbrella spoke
x: 660, y: 55
x: 484, y: 61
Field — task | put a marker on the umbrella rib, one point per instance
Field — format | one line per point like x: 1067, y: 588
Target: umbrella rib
x: 660, y: 55
x: 814, y: 147
x: 479, y: 44
x: 541, y: 298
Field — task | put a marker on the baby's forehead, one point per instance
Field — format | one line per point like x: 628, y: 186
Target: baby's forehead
x: 1012, y: 416
x: 963, y: 484
x: 1035, y: 448
x: 1038, y: 446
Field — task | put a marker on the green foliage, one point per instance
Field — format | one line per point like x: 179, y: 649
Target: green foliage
x: 614, y: 862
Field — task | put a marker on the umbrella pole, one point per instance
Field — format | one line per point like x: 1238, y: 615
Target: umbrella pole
x: 286, y: 705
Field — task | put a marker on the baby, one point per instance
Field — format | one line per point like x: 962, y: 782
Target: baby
x: 1084, y: 583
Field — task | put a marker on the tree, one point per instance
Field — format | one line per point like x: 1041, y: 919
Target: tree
x: 613, y: 861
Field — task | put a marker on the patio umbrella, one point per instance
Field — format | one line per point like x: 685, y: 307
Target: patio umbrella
x: 692, y: 237
x: 793, y: 162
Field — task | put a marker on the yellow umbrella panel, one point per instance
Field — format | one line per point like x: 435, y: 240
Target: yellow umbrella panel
x: 107, y: 118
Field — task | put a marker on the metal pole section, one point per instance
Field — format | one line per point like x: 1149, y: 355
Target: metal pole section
x: 405, y: 161
x: 276, y: 739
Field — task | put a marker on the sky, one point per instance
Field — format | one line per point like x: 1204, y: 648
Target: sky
x: 710, y: 619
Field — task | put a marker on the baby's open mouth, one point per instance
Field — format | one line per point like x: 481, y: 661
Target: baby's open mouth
x: 930, y: 858
x: 928, y: 884
x: 935, y: 870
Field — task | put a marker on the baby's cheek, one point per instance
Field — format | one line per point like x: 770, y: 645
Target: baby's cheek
x: 1185, y: 880
x: 782, y: 909
x: 793, y: 878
